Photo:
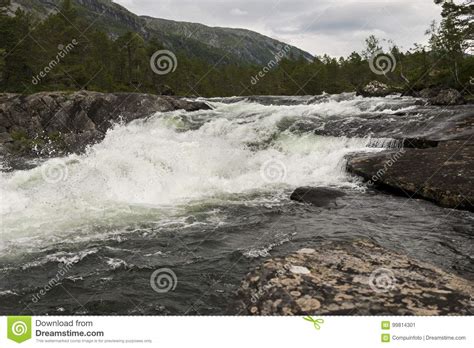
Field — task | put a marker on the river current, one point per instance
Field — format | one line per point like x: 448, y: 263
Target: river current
x: 204, y: 196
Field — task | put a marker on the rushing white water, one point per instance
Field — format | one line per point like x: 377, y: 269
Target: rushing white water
x: 150, y: 166
x: 205, y: 193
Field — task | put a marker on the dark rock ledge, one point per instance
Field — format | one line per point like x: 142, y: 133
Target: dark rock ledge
x: 443, y: 174
x: 317, y: 196
x: 358, y: 278
x: 64, y: 122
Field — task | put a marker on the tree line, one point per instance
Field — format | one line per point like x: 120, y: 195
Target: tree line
x: 64, y: 52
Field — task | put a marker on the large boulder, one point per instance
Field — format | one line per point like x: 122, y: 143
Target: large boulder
x: 317, y: 196
x: 375, y: 89
x: 428, y: 93
x: 71, y: 121
x: 447, y: 97
x: 443, y: 174
x: 352, y: 278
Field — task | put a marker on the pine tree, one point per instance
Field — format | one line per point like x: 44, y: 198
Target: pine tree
x: 451, y: 40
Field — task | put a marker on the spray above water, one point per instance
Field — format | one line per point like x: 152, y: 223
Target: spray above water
x: 170, y: 159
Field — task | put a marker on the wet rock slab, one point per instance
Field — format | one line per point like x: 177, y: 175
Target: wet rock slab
x: 317, y: 196
x: 352, y: 278
x: 75, y: 120
x: 443, y: 174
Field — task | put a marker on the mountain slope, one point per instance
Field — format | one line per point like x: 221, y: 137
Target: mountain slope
x: 242, y: 44
x: 213, y: 44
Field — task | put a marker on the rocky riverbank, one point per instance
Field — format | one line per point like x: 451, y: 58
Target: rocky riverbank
x: 357, y: 278
x: 433, y: 96
x: 437, y: 159
x: 54, y: 123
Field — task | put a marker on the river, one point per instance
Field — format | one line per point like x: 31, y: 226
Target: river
x: 205, y: 196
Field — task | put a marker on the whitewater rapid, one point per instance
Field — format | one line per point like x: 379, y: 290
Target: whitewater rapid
x: 150, y: 168
x: 206, y: 194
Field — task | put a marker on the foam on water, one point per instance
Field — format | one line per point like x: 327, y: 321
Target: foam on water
x: 150, y: 167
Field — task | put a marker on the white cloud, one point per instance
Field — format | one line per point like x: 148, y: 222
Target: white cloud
x: 238, y: 12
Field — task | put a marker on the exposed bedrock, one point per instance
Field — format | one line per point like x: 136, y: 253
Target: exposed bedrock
x: 436, y: 162
x: 352, y: 278
x: 423, y: 122
x: 443, y: 174
x: 67, y: 122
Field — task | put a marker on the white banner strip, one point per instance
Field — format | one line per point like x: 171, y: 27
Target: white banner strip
x: 236, y: 332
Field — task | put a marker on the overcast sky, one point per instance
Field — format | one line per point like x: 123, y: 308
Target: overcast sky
x: 335, y: 27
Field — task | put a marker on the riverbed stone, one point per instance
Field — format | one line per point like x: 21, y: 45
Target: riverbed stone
x: 443, y: 174
x: 353, y: 278
x: 317, y: 196
x: 449, y: 96
x: 375, y: 89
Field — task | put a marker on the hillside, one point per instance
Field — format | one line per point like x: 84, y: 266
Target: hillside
x: 213, y: 44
